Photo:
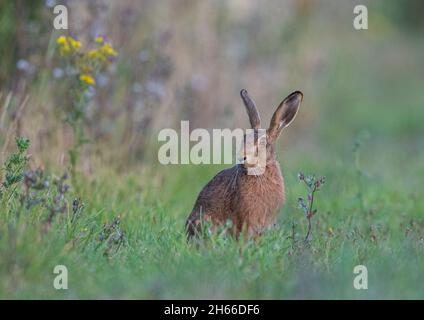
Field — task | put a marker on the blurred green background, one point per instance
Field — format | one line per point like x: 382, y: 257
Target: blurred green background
x: 360, y: 125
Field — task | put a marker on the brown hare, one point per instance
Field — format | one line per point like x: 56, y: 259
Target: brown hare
x: 251, y: 202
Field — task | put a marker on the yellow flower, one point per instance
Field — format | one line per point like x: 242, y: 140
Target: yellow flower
x: 99, y: 40
x: 65, y: 49
x: 88, y: 79
x: 74, y: 43
x: 93, y: 54
x: 61, y: 40
x: 67, y: 45
x: 108, y: 50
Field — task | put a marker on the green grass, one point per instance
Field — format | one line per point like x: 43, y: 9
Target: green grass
x: 383, y: 229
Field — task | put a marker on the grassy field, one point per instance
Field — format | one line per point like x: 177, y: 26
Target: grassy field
x: 119, y: 227
x: 370, y: 217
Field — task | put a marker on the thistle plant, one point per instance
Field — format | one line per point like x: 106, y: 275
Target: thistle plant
x: 23, y: 189
x: 46, y: 191
x: 82, y: 66
x: 313, y: 184
x: 14, y: 167
x: 34, y: 184
x: 49, y: 203
x: 112, y: 235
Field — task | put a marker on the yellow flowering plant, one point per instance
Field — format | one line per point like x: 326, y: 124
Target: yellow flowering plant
x: 82, y: 65
x: 86, y: 63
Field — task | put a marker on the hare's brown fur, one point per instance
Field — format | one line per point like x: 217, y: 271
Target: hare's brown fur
x: 250, y: 202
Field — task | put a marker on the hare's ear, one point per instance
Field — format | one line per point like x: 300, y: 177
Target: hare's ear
x: 252, y: 111
x: 284, y: 115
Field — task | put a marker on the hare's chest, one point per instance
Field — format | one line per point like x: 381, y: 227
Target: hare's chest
x: 260, y: 199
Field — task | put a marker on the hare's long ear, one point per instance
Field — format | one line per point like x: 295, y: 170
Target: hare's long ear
x: 284, y: 115
x: 252, y: 111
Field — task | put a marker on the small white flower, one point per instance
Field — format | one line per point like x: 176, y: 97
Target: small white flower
x: 58, y: 72
x: 50, y: 3
x: 23, y: 65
